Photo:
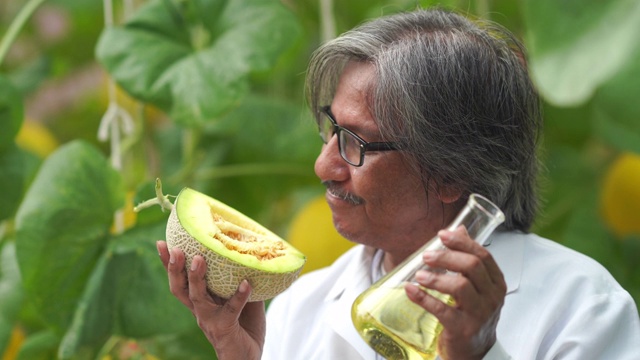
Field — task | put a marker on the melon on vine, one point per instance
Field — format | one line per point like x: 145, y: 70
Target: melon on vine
x: 234, y: 246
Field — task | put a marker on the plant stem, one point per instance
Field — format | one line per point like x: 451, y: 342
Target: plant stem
x: 6, y: 230
x: 23, y: 15
x: 190, y: 140
x: 327, y: 20
x: 160, y: 199
x: 108, y: 347
x: 483, y: 9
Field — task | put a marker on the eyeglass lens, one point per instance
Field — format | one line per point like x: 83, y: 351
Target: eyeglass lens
x: 350, y: 147
x: 326, y: 127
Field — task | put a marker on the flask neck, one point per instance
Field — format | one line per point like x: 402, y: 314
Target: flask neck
x: 480, y: 217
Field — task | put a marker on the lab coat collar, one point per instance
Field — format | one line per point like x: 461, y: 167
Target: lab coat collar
x: 507, y: 249
x: 354, y: 279
x: 360, y: 266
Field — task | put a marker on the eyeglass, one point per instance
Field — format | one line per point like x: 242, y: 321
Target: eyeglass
x: 352, y: 147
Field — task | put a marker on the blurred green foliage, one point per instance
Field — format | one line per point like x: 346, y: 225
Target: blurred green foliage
x: 214, y: 90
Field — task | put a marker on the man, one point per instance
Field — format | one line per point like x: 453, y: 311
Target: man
x: 417, y: 111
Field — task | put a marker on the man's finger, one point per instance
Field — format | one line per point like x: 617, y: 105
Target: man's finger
x: 197, y: 283
x: 459, y: 287
x: 466, y: 264
x: 178, y: 284
x: 459, y: 240
x: 236, y: 304
x: 163, y: 252
x: 444, y: 313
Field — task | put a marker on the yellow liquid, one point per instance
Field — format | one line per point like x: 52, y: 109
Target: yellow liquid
x: 394, y: 326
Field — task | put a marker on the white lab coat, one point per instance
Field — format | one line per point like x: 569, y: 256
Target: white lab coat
x: 560, y: 304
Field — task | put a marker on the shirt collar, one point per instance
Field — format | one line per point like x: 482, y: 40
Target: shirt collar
x: 507, y: 249
x: 355, y: 275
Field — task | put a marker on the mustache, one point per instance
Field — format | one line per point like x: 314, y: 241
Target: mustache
x: 335, y: 190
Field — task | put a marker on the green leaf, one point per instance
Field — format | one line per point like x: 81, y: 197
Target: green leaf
x: 264, y: 129
x: 621, y: 132
x: 17, y: 168
x: 565, y: 126
x: 10, y: 293
x: 11, y: 113
x: 587, y: 234
x: 192, y: 345
x: 145, y: 306
x: 92, y: 320
x: 631, y: 254
x: 616, y: 116
x: 39, y: 346
x: 127, y: 294
x: 62, y: 226
x: 194, y: 60
x: 271, y: 149
x: 577, y: 45
x: 28, y: 77
x: 569, y: 179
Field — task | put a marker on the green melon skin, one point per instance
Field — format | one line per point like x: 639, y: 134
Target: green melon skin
x: 191, y: 227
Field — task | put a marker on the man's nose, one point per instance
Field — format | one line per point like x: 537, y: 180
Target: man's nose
x: 329, y: 164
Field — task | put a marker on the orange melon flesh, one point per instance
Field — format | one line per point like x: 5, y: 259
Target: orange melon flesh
x: 234, y: 246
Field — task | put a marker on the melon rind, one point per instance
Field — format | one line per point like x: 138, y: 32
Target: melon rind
x: 224, y: 274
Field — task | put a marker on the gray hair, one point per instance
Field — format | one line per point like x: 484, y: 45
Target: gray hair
x: 455, y: 92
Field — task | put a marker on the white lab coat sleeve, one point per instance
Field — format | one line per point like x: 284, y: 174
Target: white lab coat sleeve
x: 497, y: 352
x: 607, y: 326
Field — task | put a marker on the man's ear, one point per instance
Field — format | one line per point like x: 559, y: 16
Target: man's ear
x: 448, y: 194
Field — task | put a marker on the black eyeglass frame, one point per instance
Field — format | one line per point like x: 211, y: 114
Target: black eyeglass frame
x: 364, y: 145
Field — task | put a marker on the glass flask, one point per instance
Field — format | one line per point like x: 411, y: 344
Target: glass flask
x: 393, y: 325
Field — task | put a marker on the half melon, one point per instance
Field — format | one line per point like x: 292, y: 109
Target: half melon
x: 234, y: 246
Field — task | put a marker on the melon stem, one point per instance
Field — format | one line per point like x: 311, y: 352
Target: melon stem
x: 160, y: 199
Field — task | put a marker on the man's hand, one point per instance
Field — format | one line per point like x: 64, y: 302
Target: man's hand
x: 478, y: 289
x: 235, y: 328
